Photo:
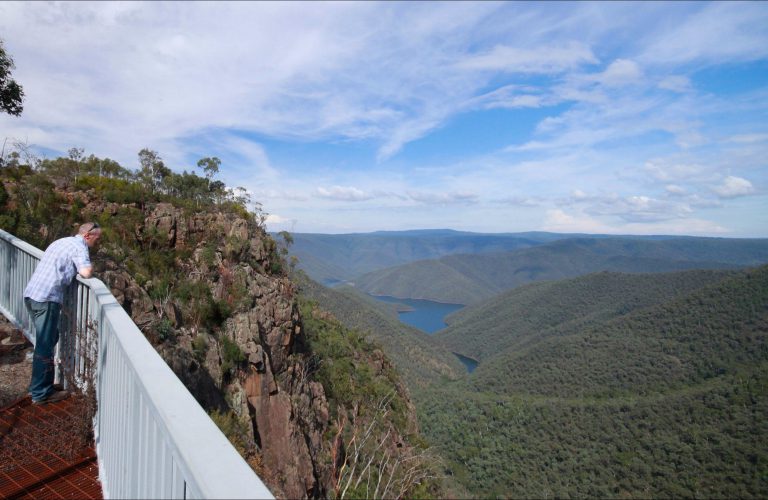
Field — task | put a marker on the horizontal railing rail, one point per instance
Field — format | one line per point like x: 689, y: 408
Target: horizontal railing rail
x: 153, y: 439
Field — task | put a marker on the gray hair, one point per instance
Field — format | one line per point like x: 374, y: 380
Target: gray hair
x: 89, y: 227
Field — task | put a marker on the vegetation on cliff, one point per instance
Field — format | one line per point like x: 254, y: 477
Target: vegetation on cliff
x: 370, y: 409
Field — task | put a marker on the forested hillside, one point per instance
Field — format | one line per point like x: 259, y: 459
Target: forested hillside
x: 518, y: 318
x: 470, y: 279
x: 677, y: 343
x: 663, y: 400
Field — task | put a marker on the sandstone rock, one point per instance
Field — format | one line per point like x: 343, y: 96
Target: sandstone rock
x: 283, y: 445
x: 195, y: 376
x: 134, y: 299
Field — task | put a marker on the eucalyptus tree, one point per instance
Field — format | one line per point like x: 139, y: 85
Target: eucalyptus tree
x: 11, y: 93
x: 152, y: 170
x: 210, y: 166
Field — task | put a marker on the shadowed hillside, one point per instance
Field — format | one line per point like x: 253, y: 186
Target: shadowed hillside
x: 527, y: 314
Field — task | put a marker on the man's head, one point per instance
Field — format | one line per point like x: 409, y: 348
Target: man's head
x: 91, y: 232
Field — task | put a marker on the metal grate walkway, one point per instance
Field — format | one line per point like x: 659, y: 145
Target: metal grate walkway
x: 44, y: 452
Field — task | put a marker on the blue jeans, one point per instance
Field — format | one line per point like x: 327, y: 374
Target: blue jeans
x: 45, y: 317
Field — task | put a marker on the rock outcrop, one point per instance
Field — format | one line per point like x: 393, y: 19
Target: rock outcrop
x: 288, y: 413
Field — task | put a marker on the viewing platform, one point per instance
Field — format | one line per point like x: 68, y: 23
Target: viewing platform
x: 36, y: 461
x: 150, y: 437
x: 46, y: 451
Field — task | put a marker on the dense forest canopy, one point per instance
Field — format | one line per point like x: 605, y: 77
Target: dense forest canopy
x: 613, y: 385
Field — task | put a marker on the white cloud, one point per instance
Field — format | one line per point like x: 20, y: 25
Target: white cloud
x: 407, y: 132
x: 733, y: 187
x: 250, y: 154
x: 279, y: 194
x: 520, y: 201
x: 748, y: 138
x: 675, y: 190
x: 511, y: 97
x: 443, y: 198
x: 666, y: 171
x: 698, y: 201
x: 543, y: 59
x: 578, y: 194
x: 165, y: 71
x: 676, y: 83
x: 620, y: 72
x: 720, y: 32
x: 343, y: 193
x: 636, y: 208
x: 558, y: 221
x: 277, y: 219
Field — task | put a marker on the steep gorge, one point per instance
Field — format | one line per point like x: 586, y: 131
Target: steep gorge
x: 209, y: 289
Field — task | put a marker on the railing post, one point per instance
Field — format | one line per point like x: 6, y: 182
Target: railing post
x: 5, y: 269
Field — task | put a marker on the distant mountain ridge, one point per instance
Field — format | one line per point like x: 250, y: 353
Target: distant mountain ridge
x: 341, y: 257
x: 469, y: 279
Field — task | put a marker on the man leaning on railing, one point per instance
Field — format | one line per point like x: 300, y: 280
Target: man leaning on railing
x: 63, y: 259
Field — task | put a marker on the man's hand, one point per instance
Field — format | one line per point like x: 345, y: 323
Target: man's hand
x: 86, y: 272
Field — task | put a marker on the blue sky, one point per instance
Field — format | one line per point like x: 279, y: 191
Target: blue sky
x: 605, y: 117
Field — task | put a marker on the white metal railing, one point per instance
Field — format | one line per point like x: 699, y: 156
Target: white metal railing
x: 153, y: 439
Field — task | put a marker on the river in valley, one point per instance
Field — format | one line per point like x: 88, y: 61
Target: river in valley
x: 428, y: 316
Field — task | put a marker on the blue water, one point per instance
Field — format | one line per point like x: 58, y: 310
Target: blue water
x: 426, y: 315
x: 469, y: 363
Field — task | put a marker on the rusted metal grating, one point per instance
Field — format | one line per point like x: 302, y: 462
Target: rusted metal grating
x: 34, y: 463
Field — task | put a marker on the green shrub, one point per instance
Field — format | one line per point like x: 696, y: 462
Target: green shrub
x: 234, y: 428
x: 164, y: 329
x: 199, y: 346
x: 231, y: 354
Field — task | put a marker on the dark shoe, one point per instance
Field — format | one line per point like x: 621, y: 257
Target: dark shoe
x: 53, y: 397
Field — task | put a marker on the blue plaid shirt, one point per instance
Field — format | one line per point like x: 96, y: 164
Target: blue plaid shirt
x: 55, y: 272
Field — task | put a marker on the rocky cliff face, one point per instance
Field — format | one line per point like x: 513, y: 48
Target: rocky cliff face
x: 264, y: 380
x: 268, y: 388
